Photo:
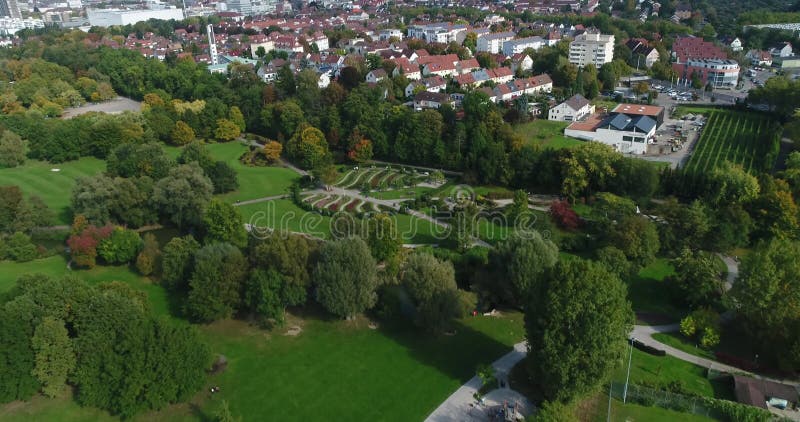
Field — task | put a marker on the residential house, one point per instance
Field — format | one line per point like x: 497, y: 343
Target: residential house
x: 375, y: 76
x: 781, y: 50
x: 759, y: 57
x: 574, y: 109
x: 683, y: 11
x: 431, y: 100
x: 403, y: 66
x: 521, y: 62
x: 641, y: 48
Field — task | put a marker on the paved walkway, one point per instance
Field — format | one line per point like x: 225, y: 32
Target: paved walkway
x: 458, y: 407
x: 257, y: 200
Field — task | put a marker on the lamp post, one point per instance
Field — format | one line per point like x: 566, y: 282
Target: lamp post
x: 628, y: 376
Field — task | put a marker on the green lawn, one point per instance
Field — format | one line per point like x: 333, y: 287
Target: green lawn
x: 254, y: 182
x: 549, y: 134
x: 332, y: 370
x: 678, y: 341
x: 55, y: 188
x: 409, y: 193
x: 56, y: 266
x: 345, y: 371
x: 630, y: 412
x: 283, y: 214
x: 648, y: 292
x: 650, y: 370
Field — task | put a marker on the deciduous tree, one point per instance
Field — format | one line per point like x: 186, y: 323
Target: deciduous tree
x: 576, y: 328
x: 55, y: 358
x: 346, y: 277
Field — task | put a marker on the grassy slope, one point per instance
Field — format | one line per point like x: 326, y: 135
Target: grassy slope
x: 549, y: 134
x: 55, y: 188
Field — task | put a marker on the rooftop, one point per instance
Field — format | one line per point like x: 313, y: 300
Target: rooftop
x: 638, y: 109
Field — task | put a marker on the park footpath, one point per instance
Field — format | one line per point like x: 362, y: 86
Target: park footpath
x: 460, y: 406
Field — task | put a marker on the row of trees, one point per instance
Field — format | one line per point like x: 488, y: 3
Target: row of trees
x: 106, y: 344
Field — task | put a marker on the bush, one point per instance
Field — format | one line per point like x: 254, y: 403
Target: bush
x: 18, y: 247
x: 121, y: 247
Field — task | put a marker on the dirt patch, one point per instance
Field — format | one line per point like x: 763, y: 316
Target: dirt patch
x: 115, y: 106
x: 293, y: 331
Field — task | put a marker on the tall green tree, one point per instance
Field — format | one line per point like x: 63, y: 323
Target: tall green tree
x: 177, y: 260
x: 518, y: 266
x: 13, y: 149
x: 576, y: 328
x: 216, y: 282
x: 767, y: 297
x: 346, y: 277
x: 55, y: 358
x: 223, y: 223
x: 431, y: 284
x: 182, y: 196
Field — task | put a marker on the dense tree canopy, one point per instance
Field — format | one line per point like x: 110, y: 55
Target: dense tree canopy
x: 576, y: 328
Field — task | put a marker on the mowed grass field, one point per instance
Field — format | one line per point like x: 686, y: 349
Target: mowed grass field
x: 549, y: 134
x: 54, y: 187
x: 254, y: 182
x: 748, y: 139
x: 332, y: 370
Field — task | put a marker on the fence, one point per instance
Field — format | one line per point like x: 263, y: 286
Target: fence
x: 647, y: 396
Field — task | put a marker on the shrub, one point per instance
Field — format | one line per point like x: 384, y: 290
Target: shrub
x: 19, y: 247
x: 564, y: 215
x: 121, y: 247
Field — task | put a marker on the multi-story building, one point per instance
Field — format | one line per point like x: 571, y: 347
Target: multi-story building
x: 596, y: 49
x: 696, y: 58
x: 112, y: 17
x: 10, y: 8
x: 513, y: 47
x: 493, y: 43
x: 717, y: 72
x: 244, y: 7
x: 386, y: 34
x: 438, y: 32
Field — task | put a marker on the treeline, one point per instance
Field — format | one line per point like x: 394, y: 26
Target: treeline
x: 36, y: 84
x: 103, y: 341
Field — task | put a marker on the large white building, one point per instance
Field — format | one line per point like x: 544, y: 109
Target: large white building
x: 438, y: 32
x: 629, y: 128
x: 493, y: 43
x: 513, y: 47
x: 597, y: 49
x: 112, y: 17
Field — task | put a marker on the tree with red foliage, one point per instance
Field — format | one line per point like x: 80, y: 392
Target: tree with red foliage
x: 564, y: 216
x: 361, y: 151
x: 83, y: 244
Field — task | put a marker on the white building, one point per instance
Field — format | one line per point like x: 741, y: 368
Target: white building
x: 574, y: 109
x: 597, y: 49
x: 112, y: 17
x: 513, y: 47
x: 386, y: 34
x: 493, y: 43
x: 629, y: 128
x: 438, y: 32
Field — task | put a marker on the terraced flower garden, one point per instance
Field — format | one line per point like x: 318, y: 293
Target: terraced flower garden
x: 749, y: 139
x: 380, y: 178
